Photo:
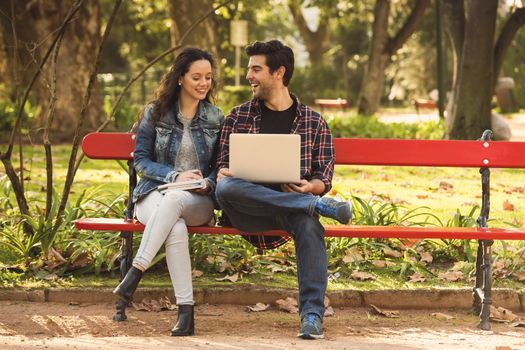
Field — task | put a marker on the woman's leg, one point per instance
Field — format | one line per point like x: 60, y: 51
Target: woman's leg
x: 198, y: 210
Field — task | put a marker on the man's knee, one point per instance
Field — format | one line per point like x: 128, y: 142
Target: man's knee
x: 225, y: 188
x: 304, y: 225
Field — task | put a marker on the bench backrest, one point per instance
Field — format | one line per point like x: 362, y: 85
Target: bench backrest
x: 442, y: 153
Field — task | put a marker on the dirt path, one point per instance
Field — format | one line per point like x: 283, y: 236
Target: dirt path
x: 26, y: 325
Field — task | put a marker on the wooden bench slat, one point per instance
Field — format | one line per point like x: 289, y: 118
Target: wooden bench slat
x: 106, y: 224
x: 356, y: 151
x: 443, y: 153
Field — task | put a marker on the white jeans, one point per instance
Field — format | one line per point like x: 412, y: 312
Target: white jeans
x: 166, y: 217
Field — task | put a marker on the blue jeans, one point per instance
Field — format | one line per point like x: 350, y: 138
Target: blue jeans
x: 255, y: 208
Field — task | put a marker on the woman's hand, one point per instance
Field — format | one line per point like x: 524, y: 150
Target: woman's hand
x: 194, y: 174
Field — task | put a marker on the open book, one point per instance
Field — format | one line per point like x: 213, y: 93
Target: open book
x: 183, y: 185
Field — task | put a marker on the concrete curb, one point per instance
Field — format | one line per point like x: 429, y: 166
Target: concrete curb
x: 249, y: 295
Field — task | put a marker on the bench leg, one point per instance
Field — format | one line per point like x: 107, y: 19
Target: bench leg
x: 483, y: 291
x: 125, y: 264
x: 476, y: 297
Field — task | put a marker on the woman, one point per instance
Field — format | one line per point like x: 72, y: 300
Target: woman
x: 176, y: 142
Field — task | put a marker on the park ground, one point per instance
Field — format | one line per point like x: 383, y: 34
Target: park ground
x: 33, y: 325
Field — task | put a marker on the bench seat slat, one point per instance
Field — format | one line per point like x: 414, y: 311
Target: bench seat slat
x: 106, y: 224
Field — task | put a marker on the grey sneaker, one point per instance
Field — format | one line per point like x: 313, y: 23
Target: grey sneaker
x: 331, y: 208
x: 311, y: 327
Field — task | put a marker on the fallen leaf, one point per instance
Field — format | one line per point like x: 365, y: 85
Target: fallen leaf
x: 329, y: 311
x: 379, y: 263
x: 326, y: 301
x: 258, y: 307
x: 384, y: 177
x: 518, y: 324
x: 155, y: 305
x: 289, y: 305
x: 518, y: 189
x: 197, y: 273
x: 362, y: 276
x: 502, y: 315
x: 422, y: 196
x: 452, y: 276
x: 508, y: 205
x: 389, y: 252
x: 351, y: 255
x: 377, y: 311
x: 443, y: 317
x: 83, y: 259
x: 520, y: 276
x: 459, y: 265
x: 425, y: 257
x: 232, y: 278
x: 447, y: 186
x: 417, y: 277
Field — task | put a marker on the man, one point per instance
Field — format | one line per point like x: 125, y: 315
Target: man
x: 294, y: 208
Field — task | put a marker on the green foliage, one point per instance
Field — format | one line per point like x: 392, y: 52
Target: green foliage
x: 8, y: 112
x: 231, y: 96
x: 371, y: 127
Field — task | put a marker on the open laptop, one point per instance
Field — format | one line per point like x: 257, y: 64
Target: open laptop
x: 266, y: 158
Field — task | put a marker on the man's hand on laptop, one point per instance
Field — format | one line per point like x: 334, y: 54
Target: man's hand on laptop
x: 313, y: 186
x: 223, y: 172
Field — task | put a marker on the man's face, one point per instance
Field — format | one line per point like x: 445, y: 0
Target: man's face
x: 261, y: 80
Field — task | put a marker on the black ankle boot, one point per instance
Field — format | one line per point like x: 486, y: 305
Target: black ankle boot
x: 185, y: 321
x: 129, y: 284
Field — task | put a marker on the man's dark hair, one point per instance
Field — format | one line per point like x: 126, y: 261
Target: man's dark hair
x: 277, y: 54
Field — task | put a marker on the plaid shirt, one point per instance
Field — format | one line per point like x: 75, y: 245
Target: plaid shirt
x: 317, y: 149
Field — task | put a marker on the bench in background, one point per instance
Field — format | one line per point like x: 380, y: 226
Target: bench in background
x: 483, y: 154
x: 327, y: 103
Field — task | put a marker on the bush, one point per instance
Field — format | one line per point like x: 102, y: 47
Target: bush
x: 372, y: 127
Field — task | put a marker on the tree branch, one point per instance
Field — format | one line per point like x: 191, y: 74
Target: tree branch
x: 411, y: 24
x: 509, y: 30
x: 82, y: 115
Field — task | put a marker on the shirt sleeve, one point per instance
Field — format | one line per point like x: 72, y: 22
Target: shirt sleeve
x: 323, y: 156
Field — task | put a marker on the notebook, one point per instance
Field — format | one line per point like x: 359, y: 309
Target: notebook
x: 266, y: 158
x: 183, y: 185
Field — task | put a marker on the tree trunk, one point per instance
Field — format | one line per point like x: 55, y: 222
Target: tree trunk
x: 471, y: 113
x: 374, y: 75
x: 382, y: 48
x: 183, y: 13
x: 76, y: 56
x: 316, y: 43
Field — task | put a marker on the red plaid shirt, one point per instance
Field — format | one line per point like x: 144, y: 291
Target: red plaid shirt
x: 317, y: 149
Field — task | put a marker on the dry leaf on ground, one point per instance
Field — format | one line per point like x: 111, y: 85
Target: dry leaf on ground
x: 232, y: 278
x: 452, y: 276
x: 289, y: 305
x: 417, y: 277
x: 508, y: 205
x: 502, y: 315
x: 441, y: 316
x: 258, y: 307
x: 447, y: 186
x: 389, y: 252
x: 377, y: 311
x: 155, y: 305
x: 352, y: 254
x: 520, y: 276
x: 362, y: 276
x: 329, y: 311
x: 197, y: 273
x: 426, y: 257
x: 518, y: 324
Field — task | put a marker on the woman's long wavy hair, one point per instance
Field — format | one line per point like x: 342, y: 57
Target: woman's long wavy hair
x: 169, y: 89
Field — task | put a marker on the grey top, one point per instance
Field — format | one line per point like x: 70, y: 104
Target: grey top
x: 187, y: 156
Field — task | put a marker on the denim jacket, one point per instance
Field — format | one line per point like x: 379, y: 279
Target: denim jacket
x: 158, y: 142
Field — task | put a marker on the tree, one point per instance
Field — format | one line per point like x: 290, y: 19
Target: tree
x: 316, y: 42
x: 477, y: 61
x: 26, y: 31
x: 382, y: 48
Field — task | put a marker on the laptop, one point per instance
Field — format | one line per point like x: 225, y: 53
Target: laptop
x: 266, y: 158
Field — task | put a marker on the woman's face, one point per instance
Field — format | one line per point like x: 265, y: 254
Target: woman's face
x: 197, y: 81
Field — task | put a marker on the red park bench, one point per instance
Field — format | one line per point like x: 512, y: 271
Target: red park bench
x: 424, y: 103
x: 483, y: 154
